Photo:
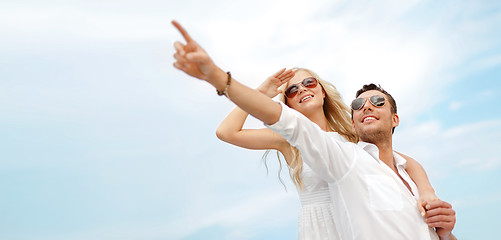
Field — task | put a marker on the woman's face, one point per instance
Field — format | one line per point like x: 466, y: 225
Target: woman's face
x: 306, y: 98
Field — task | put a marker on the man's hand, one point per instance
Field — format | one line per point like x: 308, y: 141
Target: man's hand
x: 439, y: 214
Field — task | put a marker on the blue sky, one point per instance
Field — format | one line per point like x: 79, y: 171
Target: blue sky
x: 101, y: 138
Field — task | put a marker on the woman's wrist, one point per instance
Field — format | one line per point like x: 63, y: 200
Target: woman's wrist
x: 218, y: 78
x: 261, y: 90
x: 266, y: 91
x: 427, y: 193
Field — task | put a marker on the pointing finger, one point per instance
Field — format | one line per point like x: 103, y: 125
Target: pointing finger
x: 183, y: 32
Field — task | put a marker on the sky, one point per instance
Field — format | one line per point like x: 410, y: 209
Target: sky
x: 102, y: 138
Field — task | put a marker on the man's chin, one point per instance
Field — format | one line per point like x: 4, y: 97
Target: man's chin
x: 370, y: 135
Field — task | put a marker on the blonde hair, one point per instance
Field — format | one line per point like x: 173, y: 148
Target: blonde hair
x: 339, y: 119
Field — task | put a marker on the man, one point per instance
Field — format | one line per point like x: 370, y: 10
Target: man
x: 373, y: 195
x: 372, y: 121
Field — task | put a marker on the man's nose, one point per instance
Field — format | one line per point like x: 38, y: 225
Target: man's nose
x: 367, y: 106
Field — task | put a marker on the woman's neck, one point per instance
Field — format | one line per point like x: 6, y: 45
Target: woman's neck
x: 319, y: 118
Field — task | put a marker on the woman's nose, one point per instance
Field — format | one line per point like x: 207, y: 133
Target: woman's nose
x: 301, y: 89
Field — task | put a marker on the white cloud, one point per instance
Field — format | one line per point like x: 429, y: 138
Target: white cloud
x: 264, y: 210
x: 472, y: 129
x: 473, y: 201
x: 77, y: 24
x: 443, y: 150
x: 487, y: 62
x: 454, y: 106
x: 480, y: 164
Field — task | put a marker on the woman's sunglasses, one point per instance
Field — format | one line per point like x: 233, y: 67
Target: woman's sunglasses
x: 376, y: 100
x: 309, y: 82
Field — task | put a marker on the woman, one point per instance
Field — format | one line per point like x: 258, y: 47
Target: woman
x: 193, y: 60
x: 315, y: 218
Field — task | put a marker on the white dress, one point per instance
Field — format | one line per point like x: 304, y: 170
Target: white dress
x: 316, y: 218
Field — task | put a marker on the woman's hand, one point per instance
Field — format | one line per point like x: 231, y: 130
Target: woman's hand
x: 191, y: 58
x: 424, y: 199
x: 270, y: 87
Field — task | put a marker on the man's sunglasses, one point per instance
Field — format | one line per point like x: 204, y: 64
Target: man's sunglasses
x: 309, y: 82
x: 376, y: 100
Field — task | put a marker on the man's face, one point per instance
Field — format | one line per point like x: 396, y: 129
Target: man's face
x: 371, y: 123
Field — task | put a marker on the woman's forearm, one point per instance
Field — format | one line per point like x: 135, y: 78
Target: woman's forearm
x: 418, y: 175
x: 249, y: 100
x: 231, y: 125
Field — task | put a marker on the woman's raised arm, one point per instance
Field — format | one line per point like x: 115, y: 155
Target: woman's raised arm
x: 231, y: 128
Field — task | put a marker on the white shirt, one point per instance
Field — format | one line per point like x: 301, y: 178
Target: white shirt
x: 370, y: 200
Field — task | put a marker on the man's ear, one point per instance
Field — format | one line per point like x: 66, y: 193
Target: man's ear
x: 395, y: 120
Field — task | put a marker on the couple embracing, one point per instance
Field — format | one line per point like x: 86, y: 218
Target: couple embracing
x: 351, y: 183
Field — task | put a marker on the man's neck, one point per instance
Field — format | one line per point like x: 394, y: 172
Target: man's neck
x: 386, y: 153
x: 384, y: 143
